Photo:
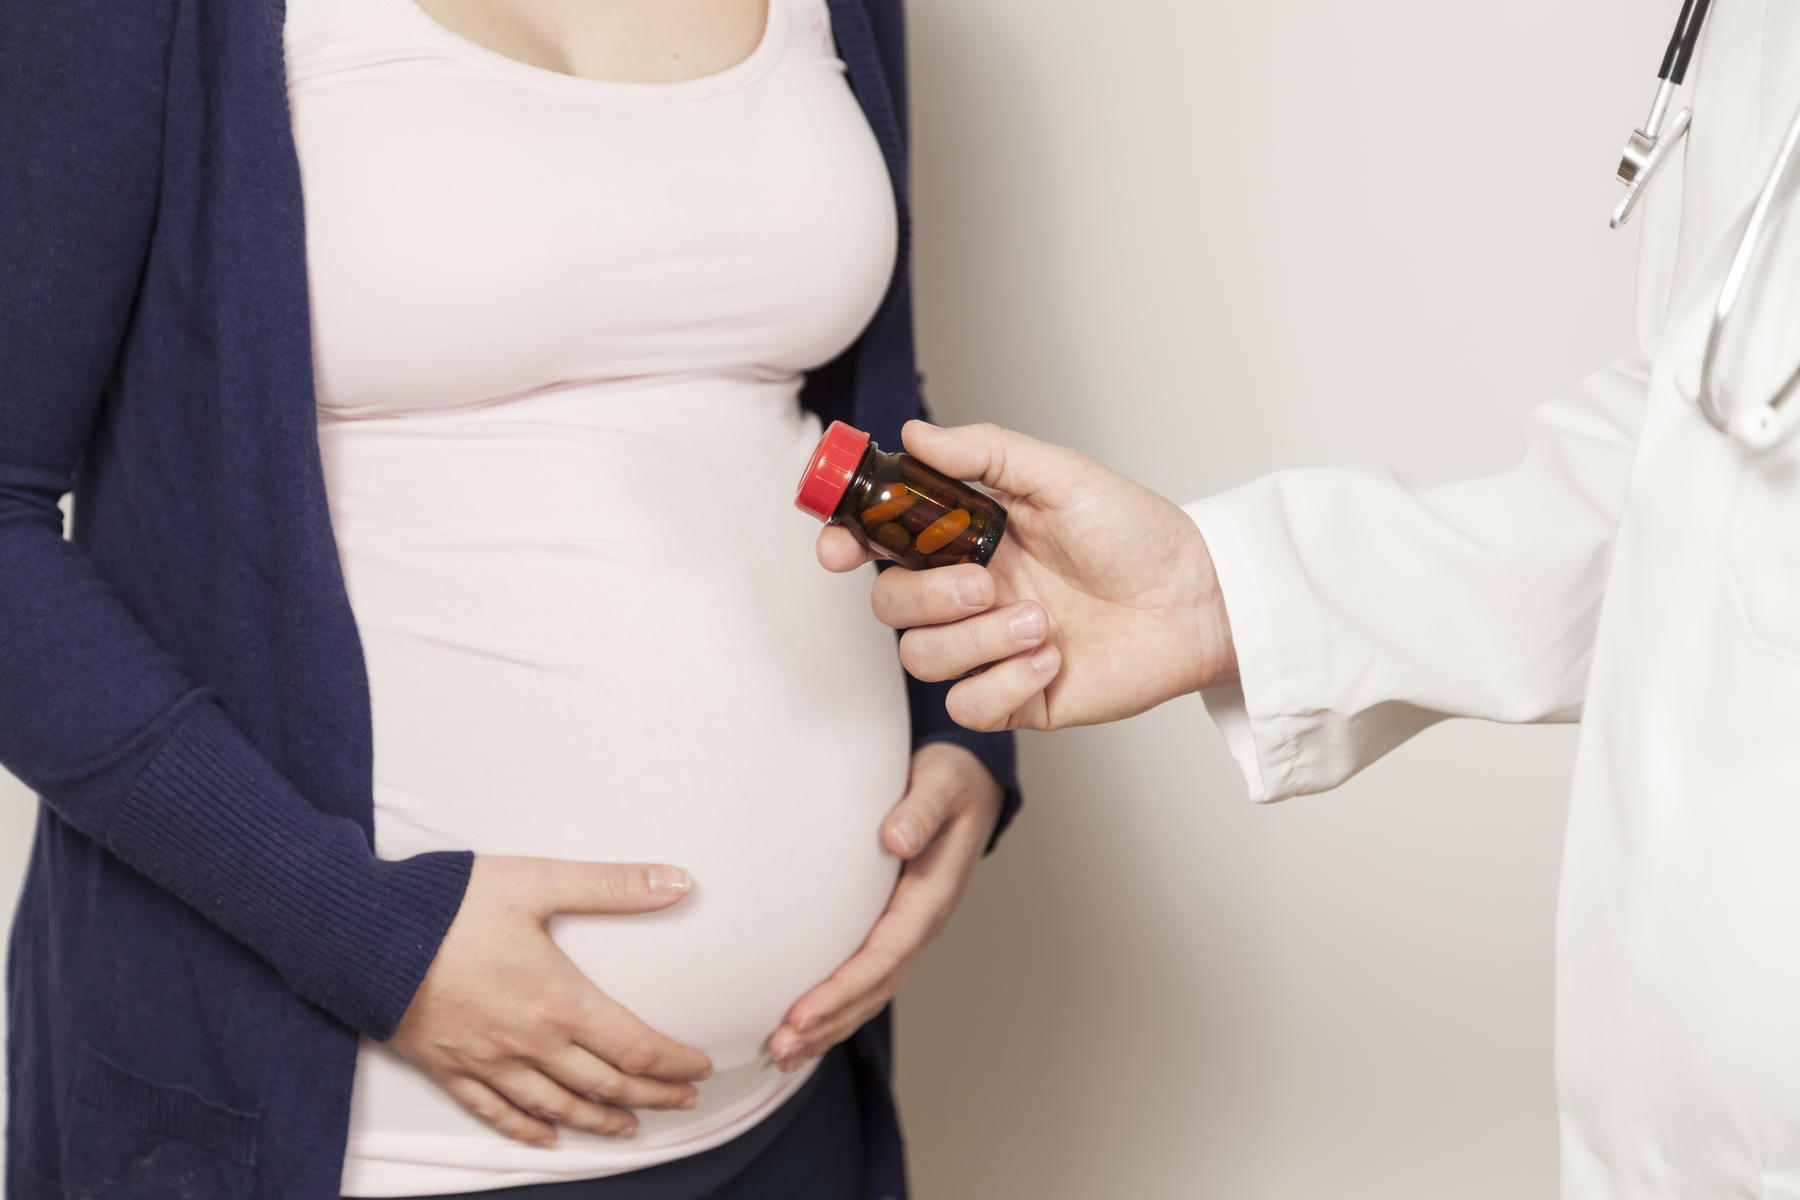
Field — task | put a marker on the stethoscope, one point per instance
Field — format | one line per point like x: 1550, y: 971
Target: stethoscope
x: 1759, y: 426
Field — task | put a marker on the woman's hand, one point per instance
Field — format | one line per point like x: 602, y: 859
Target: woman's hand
x: 512, y: 1029
x: 1101, y: 602
x: 941, y: 826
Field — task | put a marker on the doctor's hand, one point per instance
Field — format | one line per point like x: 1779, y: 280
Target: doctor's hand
x: 513, y: 1030
x: 1100, y: 603
x: 940, y: 827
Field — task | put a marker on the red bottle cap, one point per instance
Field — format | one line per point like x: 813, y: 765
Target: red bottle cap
x: 832, y: 468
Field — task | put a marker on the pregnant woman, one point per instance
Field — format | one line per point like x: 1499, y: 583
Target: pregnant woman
x: 457, y: 776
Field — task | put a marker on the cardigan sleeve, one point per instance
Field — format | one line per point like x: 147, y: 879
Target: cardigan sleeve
x: 94, y: 715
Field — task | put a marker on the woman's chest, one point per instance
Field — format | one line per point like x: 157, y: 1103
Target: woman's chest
x: 644, y: 41
x: 478, y: 228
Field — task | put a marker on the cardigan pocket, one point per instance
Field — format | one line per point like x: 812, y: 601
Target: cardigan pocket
x: 129, y: 1138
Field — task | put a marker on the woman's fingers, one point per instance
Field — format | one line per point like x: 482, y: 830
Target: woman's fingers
x: 498, y: 1111
x: 530, y: 1092
x: 1008, y: 695
x: 586, y: 1075
x: 857, y: 990
x: 937, y: 792
x: 936, y: 652
x: 839, y: 551
x: 793, y: 1049
x: 537, y: 1095
x: 871, y: 974
x: 866, y: 971
x: 861, y: 986
x: 516, y: 1033
x: 566, y: 885
x: 904, y: 599
x: 836, y: 1028
x: 610, y: 1031
x: 916, y: 820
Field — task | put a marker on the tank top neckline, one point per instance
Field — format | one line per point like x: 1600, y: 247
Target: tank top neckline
x: 745, y: 71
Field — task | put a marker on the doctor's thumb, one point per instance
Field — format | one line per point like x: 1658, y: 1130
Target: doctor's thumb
x: 996, y: 457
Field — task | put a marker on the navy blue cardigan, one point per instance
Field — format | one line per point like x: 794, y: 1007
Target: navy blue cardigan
x: 204, y: 928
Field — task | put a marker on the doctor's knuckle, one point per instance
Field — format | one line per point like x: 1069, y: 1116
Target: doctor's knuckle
x: 917, y: 657
x: 883, y: 600
x: 942, y: 593
x: 977, y: 638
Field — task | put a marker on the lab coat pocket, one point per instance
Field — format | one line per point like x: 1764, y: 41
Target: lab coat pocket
x: 129, y: 1138
x: 1763, y: 552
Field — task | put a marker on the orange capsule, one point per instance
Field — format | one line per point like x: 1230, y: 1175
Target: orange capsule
x: 943, y: 531
x: 898, y: 499
x: 893, y: 536
x: 897, y: 506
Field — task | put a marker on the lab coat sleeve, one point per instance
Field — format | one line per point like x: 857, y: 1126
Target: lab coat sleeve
x: 1363, y: 610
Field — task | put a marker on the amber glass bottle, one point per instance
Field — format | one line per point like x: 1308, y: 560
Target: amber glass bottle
x: 896, y: 505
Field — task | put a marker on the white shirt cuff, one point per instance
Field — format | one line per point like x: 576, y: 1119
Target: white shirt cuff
x: 1260, y: 741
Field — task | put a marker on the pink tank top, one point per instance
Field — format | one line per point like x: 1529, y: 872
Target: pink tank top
x: 560, y: 328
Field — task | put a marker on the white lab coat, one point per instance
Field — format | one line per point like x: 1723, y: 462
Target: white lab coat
x: 1637, y: 572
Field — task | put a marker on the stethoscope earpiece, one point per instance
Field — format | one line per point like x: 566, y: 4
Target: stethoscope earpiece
x: 1757, y: 429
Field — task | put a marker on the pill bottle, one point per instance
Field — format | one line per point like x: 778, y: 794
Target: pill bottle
x: 897, y: 506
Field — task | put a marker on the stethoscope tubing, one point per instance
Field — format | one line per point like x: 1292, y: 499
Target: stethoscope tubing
x: 1759, y: 427
x: 1683, y: 40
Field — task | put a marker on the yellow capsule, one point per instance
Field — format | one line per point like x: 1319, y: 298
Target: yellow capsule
x: 942, y: 532
x: 893, y: 536
x: 899, y: 499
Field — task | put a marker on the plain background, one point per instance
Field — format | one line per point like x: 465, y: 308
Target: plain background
x: 1202, y: 242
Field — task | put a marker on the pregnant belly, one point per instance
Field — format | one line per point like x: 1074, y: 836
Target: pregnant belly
x: 620, y: 684
x: 766, y: 774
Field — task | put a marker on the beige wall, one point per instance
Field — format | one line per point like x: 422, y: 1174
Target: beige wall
x: 1203, y: 241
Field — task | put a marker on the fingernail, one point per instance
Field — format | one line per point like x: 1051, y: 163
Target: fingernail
x: 910, y: 837
x: 783, y: 1044
x: 629, y: 1133
x: 543, y: 1143
x: 969, y: 591
x: 1028, y: 626
x: 668, y: 881
x: 689, y: 1104
x: 789, y: 1065
x: 1044, y: 658
x: 805, y: 1025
